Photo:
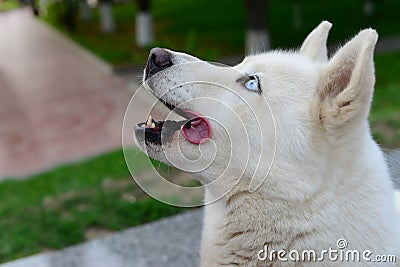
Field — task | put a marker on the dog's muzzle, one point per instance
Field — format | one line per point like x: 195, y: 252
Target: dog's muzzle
x: 194, y: 128
x: 159, y: 59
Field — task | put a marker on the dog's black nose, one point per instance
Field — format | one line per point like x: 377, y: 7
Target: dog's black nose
x: 159, y: 59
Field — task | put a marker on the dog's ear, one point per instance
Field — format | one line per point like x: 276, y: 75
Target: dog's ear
x: 314, y: 46
x: 347, y: 81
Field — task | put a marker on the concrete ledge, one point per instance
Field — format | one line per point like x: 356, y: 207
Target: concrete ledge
x: 393, y: 161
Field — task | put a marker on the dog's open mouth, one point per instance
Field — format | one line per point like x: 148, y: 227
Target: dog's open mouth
x: 195, y: 128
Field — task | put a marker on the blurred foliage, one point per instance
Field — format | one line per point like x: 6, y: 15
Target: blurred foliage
x: 62, y: 14
x: 385, y: 113
x: 347, y: 17
x: 64, y: 206
x: 6, y: 5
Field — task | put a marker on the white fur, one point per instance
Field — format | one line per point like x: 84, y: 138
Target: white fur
x: 328, y: 179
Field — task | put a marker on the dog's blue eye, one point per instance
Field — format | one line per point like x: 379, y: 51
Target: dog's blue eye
x: 252, y: 84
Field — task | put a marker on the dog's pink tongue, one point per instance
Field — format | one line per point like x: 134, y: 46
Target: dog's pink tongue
x: 200, y: 130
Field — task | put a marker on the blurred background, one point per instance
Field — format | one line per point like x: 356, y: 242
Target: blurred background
x: 69, y: 68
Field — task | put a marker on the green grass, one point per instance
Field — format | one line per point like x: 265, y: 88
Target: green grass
x: 6, y: 5
x: 385, y: 113
x: 62, y: 206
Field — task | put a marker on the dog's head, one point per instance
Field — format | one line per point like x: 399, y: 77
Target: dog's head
x: 279, y: 109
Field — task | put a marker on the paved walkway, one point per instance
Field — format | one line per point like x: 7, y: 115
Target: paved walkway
x: 57, y: 103
x: 393, y: 160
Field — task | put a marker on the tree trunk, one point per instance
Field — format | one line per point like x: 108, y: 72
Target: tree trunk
x: 297, y: 22
x: 107, y: 24
x: 69, y: 16
x: 368, y: 8
x: 257, y: 38
x: 34, y: 8
x: 144, y: 24
x: 84, y: 11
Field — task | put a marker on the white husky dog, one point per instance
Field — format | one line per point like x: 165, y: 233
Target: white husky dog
x: 325, y: 184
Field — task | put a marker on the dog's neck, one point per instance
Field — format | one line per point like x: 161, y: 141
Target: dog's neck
x: 247, y: 222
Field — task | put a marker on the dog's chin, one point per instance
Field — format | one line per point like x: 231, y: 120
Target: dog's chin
x: 153, y: 150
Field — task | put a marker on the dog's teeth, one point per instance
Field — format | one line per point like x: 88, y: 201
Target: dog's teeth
x: 149, y: 121
x: 153, y: 125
